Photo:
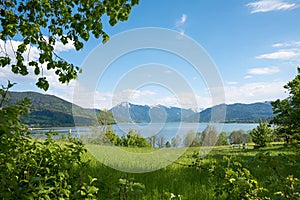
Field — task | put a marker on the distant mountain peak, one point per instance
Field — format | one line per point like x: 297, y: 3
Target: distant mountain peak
x: 124, y: 104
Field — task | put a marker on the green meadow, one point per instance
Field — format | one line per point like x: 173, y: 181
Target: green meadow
x: 197, y: 174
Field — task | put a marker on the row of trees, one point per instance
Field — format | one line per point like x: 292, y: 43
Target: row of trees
x: 261, y: 136
x: 210, y: 137
x: 103, y: 135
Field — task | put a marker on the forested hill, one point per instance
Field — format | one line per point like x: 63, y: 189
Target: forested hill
x: 237, y: 113
x: 51, y: 111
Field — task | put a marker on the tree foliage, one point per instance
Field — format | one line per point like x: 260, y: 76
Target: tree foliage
x: 11, y: 121
x: 222, y: 140
x: 104, y: 137
x: 134, y: 139
x: 239, y: 137
x: 43, y: 23
x: 287, y: 111
x: 261, y: 134
x: 104, y: 119
x: 109, y: 137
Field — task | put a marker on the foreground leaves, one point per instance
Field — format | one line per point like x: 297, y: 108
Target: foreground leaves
x: 38, y: 168
x: 41, y: 24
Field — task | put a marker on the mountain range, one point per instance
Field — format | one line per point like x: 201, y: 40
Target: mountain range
x: 52, y: 111
x: 234, y: 113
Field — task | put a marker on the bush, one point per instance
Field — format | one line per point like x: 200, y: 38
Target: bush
x: 134, y: 139
x: 38, y: 169
x: 262, y: 134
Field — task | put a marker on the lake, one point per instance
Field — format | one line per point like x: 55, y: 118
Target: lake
x: 168, y: 130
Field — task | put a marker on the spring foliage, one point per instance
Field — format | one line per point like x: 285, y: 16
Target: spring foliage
x: 287, y: 111
x: 44, y: 23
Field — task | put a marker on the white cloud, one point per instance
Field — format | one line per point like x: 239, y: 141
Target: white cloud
x: 265, y: 70
x: 182, y: 20
x: 255, y: 92
x: 248, y: 77
x: 8, y: 48
x: 270, y: 5
x: 281, y: 54
x: 60, y: 47
x: 180, y: 23
x: 132, y: 94
x: 109, y: 99
x: 286, y: 44
x: 146, y: 97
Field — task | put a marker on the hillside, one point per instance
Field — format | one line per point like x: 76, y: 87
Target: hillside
x: 51, y: 111
x: 237, y: 113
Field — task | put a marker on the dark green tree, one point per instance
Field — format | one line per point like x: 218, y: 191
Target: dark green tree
x: 287, y: 111
x: 43, y: 23
x: 261, y: 134
x: 168, y: 144
x: 222, y: 140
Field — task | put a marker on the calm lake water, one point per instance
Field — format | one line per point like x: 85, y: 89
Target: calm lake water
x: 168, y: 130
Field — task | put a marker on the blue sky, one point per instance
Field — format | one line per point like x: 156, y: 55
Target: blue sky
x: 255, y: 45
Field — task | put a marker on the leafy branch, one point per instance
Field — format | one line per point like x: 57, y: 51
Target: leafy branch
x: 70, y: 21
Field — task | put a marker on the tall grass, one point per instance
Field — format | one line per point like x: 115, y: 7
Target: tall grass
x: 180, y: 178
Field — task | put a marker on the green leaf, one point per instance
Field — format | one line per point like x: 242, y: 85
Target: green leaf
x: 9, y: 166
x: 43, y: 83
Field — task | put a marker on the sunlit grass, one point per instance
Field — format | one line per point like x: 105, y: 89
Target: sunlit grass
x: 178, y: 177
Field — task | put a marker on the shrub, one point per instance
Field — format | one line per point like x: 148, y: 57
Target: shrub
x: 38, y: 169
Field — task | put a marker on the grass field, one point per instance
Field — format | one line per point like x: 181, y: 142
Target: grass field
x: 194, y: 175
